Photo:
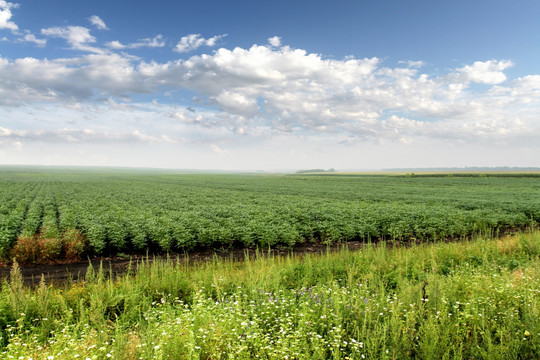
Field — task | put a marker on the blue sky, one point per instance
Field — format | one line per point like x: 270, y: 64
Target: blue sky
x: 270, y: 85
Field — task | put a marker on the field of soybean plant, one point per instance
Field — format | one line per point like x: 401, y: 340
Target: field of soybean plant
x: 50, y: 214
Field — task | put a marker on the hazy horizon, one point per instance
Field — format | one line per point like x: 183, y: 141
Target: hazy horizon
x: 473, y: 169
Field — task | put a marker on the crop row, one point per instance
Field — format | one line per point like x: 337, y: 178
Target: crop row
x: 174, y: 212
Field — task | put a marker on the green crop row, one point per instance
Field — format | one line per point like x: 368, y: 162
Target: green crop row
x: 130, y: 211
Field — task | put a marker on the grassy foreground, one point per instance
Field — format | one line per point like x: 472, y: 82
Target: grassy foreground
x: 469, y: 300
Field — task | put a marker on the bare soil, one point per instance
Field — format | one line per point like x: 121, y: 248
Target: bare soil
x: 64, y: 271
x: 60, y: 273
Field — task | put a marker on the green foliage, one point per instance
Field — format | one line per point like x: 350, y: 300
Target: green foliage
x: 138, y: 211
x: 380, y: 302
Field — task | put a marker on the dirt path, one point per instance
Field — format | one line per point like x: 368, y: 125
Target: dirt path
x: 61, y: 273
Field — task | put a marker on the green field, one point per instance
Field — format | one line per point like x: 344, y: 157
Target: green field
x: 47, y: 214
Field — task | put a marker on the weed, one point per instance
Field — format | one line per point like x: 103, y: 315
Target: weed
x: 442, y: 300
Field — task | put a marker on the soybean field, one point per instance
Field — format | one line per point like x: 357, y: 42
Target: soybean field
x: 47, y: 214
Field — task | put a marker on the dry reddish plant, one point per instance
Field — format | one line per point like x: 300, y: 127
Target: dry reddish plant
x: 42, y: 250
x: 74, y: 244
x: 25, y: 250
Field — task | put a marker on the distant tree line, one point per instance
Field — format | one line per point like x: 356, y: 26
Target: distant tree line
x: 315, y: 171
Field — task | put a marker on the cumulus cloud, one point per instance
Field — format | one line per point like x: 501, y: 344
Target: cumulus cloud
x: 487, y: 72
x: 5, y: 23
x: 97, y: 22
x: 193, y: 41
x: 237, y: 103
x: 77, y: 36
x: 67, y: 80
x: 5, y: 15
x: 187, y: 118
x: 154, y: 42
x: 275, y: 41
x: 265, y: 89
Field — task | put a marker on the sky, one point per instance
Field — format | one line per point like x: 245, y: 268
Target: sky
x: 265, y: 85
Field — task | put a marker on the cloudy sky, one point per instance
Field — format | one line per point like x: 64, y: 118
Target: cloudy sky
x: 270, y: 84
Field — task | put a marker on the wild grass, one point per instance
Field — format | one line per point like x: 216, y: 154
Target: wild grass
x: 474, y: 299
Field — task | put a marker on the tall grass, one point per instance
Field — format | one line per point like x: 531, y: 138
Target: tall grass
x: 473, y: 299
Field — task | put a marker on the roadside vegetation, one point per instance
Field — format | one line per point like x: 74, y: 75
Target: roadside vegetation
x: 473, y: 299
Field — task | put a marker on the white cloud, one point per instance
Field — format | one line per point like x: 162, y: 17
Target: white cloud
x: 487, y: 72
x: 77, y: 36
x: 154, y: 42
x: 527, y: 88
x: 97, y: 22
x: 236, y: 103
x: 5, y: 15
x: 29, y: 80
x: 264, y: 90
x: 413, y: 63
x: 68, y: 135
x: 275, y: 41
x: 29, y: 37
x: 218, y: 150
x: 116, y: 45
x: 193, y: 41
